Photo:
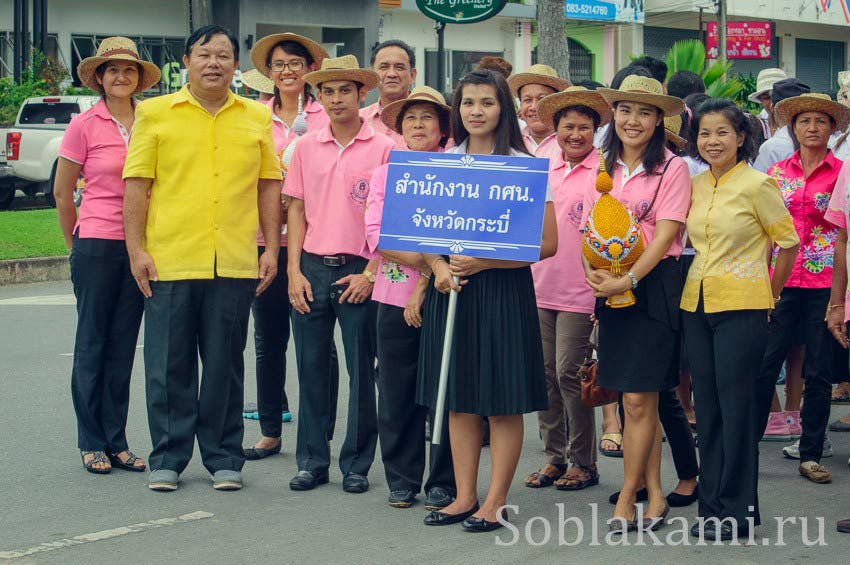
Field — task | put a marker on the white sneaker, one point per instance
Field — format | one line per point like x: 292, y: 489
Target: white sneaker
x: 793, y: 451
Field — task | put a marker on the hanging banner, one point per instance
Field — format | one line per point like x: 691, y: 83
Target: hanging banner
x: 477, y: 205
x: 460, y: 11
x: 744, y: 40
x: 606, y: 10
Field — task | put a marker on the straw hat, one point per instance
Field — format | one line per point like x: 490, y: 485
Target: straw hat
x: 672, y: 127
x: 117, y: 49
x: 573, y: 96
x: 537, y: 74
x: 764, y: 82
x: 343, y: 68
x: 254, y: 80
x: 262, y: 48
x: 644, y: 90
x: 785, y: 110
x: 391, y: 112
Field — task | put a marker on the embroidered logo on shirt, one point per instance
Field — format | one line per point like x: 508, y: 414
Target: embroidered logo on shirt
x: 393, y: 273
x: 641, y: 210
x: 359, y: 191
x: 575, y: 212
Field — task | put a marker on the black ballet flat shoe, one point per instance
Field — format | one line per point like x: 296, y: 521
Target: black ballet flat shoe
x: 437, y: 518
x: 677, y: 500
x: 642, y: 495
x: 480, y: 525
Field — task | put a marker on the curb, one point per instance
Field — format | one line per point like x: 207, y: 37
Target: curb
x: 38, y: 269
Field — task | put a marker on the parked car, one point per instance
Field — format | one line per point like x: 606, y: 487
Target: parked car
x: 32, y: 145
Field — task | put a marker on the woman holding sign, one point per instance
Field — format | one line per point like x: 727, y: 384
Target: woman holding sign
x: 496, y: 367
x: 401, y: 283
x: 639, y: 343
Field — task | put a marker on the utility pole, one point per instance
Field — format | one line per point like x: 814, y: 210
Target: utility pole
x: 721, y: 33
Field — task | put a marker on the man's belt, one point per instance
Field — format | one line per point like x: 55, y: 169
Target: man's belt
x: 335, y: 260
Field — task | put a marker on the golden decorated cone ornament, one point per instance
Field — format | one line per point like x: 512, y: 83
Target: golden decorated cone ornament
x: 613, y: 239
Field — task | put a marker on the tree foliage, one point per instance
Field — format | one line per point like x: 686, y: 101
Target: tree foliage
x: 43, y: 77
x: 689, y: 55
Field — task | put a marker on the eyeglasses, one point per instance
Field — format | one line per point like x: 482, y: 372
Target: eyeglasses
x: 294, y: 66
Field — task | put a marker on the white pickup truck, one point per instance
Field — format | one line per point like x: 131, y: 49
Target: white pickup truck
x: 32, y: 145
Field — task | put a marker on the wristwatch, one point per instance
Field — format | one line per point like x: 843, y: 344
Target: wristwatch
x: 370, y: 276
x: 633, y: 278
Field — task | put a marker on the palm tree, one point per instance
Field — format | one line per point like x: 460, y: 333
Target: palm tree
x: 689, y: 55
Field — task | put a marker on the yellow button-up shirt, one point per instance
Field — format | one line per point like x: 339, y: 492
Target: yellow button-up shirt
x: 731, y: 222
x: 202, y: 217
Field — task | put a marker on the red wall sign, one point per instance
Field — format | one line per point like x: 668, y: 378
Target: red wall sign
x: 744, y: 40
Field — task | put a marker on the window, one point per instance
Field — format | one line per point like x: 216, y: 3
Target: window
x: 818, y: 63
x: 7, y: 51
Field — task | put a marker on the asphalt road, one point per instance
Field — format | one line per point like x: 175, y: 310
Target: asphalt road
x: 55, y: 512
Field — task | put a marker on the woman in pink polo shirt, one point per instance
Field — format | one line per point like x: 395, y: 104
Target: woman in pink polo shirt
x: 564, y: 299
x: 402, y: 281
x: 639, y: 345
x: 807, y: 180
x: 496, y: 367
x: 109, y: 306
x: 285, y: 58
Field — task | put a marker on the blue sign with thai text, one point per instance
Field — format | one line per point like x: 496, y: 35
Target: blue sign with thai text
x: 606, y: 10
x: 487, y: 206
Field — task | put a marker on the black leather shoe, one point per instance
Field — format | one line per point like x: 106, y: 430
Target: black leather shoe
x: 480, y: 525
x: 401, y: 498
x: 642, y: 496
x: 437, y: 518
x: 305, y: 480
x: 711, y: 532
x: 355, y: 483
x: 438, y: 498
x: 677, y: 500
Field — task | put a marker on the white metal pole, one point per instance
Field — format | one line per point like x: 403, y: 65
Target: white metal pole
x: 440, y: 411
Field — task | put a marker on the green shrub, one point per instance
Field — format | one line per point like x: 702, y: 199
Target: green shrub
x: 42, y: 78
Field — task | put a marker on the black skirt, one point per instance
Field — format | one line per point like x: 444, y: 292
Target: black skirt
x: 639, y: 346
x: 496, y: 366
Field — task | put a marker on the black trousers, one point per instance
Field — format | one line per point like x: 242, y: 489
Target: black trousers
x: 401, y: 422
x: 725, y: 350
x: 185, y: 319
x: 314, y: 334
x: 800, y: 309
x: 109, y: 313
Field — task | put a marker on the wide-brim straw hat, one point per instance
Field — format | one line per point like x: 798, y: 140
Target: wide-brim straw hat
x: 573, y: 96
x: 117, y: 49
x: 764, y: 82
x: 537, y: 74
x: 261, y: 49
x: 785, y: 110
x: 343, y: 68
x: 255, y: 80
x: 391, y: 112
x: 672, y: 127
x: 644, y: 90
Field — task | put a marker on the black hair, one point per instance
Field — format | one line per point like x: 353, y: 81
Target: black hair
x: 206, y: 33
x: 653, y: 155
x: 578, y: 109
x: 101, y: 68
x: 298, y: 50
x: 590, y: 84
x: 793, y: 124
x: 508, y: 135
x: 693, y: 101
x: 656, y: 67
x: 411, y: 55
x: 683, y: 83
x: 740, y: 123
x: 621, y: 75
x: 758, y: 130
x: 442, y: 117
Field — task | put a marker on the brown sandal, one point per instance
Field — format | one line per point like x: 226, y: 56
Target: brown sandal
x: 583, y: 478
x: 539, y: 479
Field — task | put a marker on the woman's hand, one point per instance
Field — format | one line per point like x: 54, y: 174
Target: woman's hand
x: 598, y: 276
x: 462, y: 266
x: 835, y: 324
x: 610, y: 286
x: 413, y: 308
x: 443, y: 280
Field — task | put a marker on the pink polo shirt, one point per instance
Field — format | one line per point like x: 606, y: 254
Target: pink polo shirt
x: 837, y: 214
x: 394, y: 283
x: 98, y: 142
x: 559, y: 281
x: 283, y: 136
x: 333, y: 182
x: 808, y: 199
x: 636, y: 190
x: 371, y: 115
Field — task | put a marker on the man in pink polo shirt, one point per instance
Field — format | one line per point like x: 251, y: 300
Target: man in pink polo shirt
x: 395, y: 62
x: 331, y: 275
x: 531, y: 87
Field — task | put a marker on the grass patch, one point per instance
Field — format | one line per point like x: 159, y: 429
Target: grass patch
x: 30, y: 233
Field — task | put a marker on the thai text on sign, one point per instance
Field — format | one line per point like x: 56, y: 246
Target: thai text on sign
x: 744, y: 40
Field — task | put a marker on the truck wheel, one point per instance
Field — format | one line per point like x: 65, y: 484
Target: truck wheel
x: 48, y: 190
x: 7, y: 196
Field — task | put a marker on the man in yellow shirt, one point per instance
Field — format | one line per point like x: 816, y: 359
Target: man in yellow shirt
x: 206, y: 159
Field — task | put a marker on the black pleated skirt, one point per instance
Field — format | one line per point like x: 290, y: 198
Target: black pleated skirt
x: 496, y: 365
x: 639, y: 346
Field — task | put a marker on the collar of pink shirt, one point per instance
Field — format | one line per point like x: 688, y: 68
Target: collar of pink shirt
x: 326, y: 134
x: 557, y: 162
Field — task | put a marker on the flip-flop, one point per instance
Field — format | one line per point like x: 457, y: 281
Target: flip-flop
x: 841, y: 399
x: 544, y: 480
x: 576, y: 483
x: 249, y: 411
x: 617, y: 439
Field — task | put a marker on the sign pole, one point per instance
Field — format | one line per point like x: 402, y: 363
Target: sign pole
x: 441, y: 56
x: 440, y: 410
